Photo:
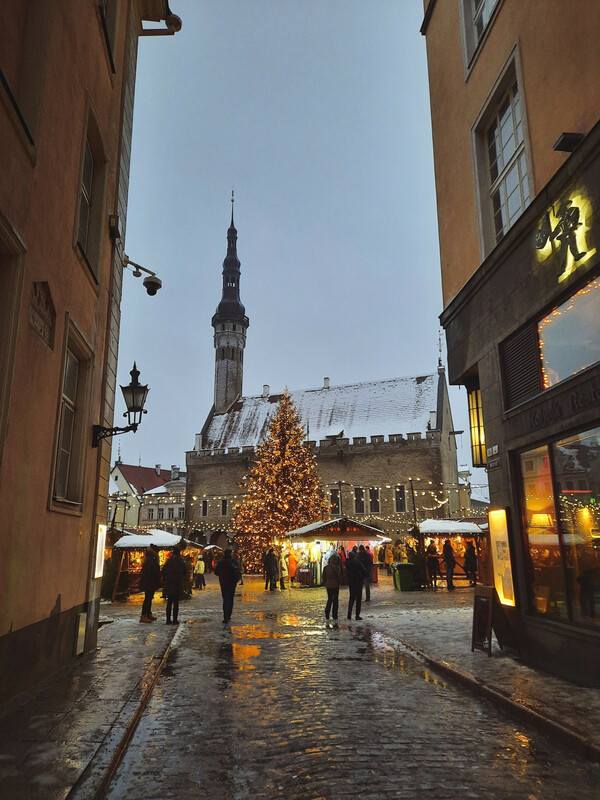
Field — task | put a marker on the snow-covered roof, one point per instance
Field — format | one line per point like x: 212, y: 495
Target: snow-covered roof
x: 437, y: 527
x: 139, y: 541
x: 396, y: 406
x: 312, y: 530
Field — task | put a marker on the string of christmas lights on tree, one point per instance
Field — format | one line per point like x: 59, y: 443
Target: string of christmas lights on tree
x: 282, y: 491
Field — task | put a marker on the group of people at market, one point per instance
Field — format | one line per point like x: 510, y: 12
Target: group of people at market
x: 337, y: 568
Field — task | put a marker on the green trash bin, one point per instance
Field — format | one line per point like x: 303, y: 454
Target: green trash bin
x: 406, y: 576
x: 396, y: 575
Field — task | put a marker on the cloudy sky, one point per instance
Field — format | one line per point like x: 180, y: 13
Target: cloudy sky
x: 316, y: 112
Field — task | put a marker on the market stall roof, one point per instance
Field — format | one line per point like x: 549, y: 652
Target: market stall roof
x: 139, y: 541
x: 341, y: 529
x: 439, y: 527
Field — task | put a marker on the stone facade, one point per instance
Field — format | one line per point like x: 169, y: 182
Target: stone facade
x: 377, y: 469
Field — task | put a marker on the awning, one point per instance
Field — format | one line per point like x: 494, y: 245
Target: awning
x: 162, y: 539
x: 448, y: 527
x: 342, y: 529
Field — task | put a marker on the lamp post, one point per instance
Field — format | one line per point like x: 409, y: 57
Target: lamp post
x: 135, y: 396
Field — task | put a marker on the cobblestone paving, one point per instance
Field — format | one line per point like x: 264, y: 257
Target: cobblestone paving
x: 282, y: 704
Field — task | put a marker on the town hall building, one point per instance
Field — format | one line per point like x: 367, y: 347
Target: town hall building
x: 386, y: 449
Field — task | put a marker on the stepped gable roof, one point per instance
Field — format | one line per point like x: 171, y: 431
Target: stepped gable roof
x: 145, y: 478
x: 396, y: 406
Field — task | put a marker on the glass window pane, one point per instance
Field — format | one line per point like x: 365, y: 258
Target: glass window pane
x: 577, y: 463
x: 546, y: 577
x: 71, y: 373
x: 570, y: 335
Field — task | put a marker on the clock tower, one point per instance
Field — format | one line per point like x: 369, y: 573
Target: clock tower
x: 230, y: 324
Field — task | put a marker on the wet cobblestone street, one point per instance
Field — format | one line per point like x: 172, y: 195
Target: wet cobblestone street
x: 282, y: 704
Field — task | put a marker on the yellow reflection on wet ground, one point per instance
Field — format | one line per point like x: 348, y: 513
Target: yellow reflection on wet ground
x: 242, y: 653
x: 253, y: 632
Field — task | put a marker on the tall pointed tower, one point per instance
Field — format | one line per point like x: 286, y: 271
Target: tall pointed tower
x: 230, y: 323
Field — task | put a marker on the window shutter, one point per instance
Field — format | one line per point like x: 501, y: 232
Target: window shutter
x: 521, y: 366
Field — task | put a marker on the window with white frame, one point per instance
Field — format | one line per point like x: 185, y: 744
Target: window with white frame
x: 181, y: 512
x: 72, y: 422
x: 161, y: 512
x: 171, y: 513
x: 482, y: 11
x: 150, y: 513
x: 507, y: 163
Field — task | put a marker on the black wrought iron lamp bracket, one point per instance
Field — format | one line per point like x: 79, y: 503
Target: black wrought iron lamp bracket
x: 100, y: 432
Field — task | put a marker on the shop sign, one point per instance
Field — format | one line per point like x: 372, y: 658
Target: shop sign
x: 545, y: 415
x: 562, y: 234
x: 501, y: 563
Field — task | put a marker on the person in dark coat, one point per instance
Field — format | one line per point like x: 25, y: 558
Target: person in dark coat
x: 449, y: 563
x: 271, y: 569
x: 471, y: 564
x: 173, y: 573
x: 433, y: 565
x: 356, y: 573
x: 332, y: 578
x: 365, y: 558
x: 228, y: 572
x: 149, y: 582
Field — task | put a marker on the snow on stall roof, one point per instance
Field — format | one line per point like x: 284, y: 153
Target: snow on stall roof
x: 139, y: 541
x: 396, y: 406
x: 447, y: 526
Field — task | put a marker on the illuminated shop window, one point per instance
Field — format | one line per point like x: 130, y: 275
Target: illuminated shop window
x: 478, y: 453
x: 570, y: 335
x: 563, y: 526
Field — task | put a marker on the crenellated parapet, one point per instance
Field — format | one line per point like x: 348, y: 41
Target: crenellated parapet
x: 331, y: 446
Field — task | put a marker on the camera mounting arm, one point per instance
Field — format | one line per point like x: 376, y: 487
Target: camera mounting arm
x: 152, y: 283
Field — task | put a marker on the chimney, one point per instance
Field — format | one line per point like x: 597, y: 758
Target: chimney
x: 266, y: 390
x: 157, y: 469
x: 174, y: 472
x: 326, y: 383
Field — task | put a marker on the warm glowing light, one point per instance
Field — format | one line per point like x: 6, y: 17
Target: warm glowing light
x: 554, y: 223
x: 501, y: 563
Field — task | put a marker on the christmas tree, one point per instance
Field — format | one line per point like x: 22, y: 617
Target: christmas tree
x: 283, y: 489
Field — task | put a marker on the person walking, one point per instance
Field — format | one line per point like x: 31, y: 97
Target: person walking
x: 228, y: 572
x: 271, y: 570
x: 471, y: 564
x: 449, y: 563
x: 240, y: 560
x: 199, y: 568
x: 149, y: 582
x: 173, y: 572
x: 356, y: 574
x: 332, y: 578
x: 292, y: 565
x: 365, y: 558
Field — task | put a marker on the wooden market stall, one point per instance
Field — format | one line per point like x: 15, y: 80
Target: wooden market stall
x: 459, y: 532
x: 316, y: 541
x: 131, y: 548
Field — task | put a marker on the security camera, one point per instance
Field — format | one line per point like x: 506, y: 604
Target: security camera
x: 152, y: 284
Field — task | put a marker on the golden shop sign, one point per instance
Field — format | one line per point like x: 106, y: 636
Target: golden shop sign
x: 562, y: 234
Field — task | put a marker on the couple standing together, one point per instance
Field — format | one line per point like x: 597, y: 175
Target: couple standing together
x: 357, y: 572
